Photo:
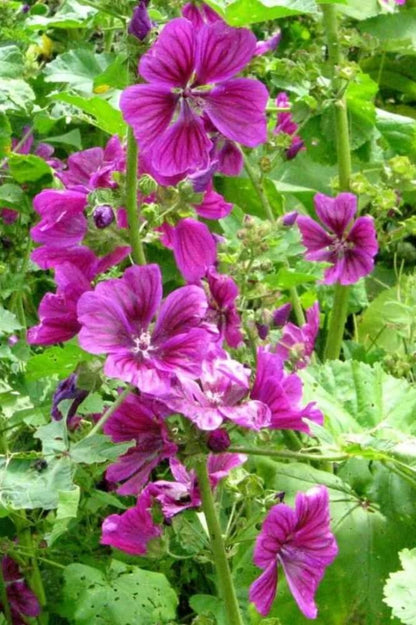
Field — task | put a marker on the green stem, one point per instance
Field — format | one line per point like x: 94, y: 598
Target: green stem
x: 225, y: 582
x: 35, y: 579
x: 286, y: 454
x: 340, y: 308
x: 258, y: 187
x: 97, y: 427
x: 4, y: 600
x: 337, y: 323
x: 297, y: 306
x: 132, y: 208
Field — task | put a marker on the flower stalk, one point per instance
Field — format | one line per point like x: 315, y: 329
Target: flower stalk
x: 107, y: 414
x: 286, y: 454
x: 340, y: 308
x: 132, y: 208
x: 225, y: 582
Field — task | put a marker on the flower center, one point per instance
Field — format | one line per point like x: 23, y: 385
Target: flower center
x: 214, y: 398
x: 340, y: 246
x: 142, y: 344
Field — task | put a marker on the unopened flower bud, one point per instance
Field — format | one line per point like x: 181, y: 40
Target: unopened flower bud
x: 219, y: 440
x: 12, y: 340
x: 140, y: 24
x: 147, y: 185
x: 262, y: 330
x: 290, y: 218
x: 103, y: 216
x: 281, y: 315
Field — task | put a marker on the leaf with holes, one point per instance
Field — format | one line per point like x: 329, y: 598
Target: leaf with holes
x: 124, y: 595
x: 400, y: 590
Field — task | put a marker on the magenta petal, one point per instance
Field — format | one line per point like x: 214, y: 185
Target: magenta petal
x: 182, y: 310
x: 145, y: 284
x: 184, y: 147
x: 124, y: 366
x: 222, y: 52
x: 363, y: 235
x: 252, y: 414
x: 220, y: 465
x: 237, y: 109
x: 263, y: 590
x: 171, y: 59
x: 51, y: 203
x: 356, y: 265
x: 336, y: 213
x: 213, y: 206
x: 194, y: 249
x: 184, y: 352
x: 230, y: 159
x: 314, y: 237
x: 66, y: 230
x: 132, y: 530
x: 149, y: 110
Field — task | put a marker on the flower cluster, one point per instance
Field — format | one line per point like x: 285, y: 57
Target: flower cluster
x: 190, y: 114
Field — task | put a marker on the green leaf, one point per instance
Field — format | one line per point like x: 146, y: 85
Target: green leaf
x: 361, y: 109
x: 123, y: 596
x: 28, y: 167
x: 12, y: 196
x: 398, y: 131
x: 286, y: 278
x: 11, y: 61
x: 115, y: 76
x: 400, y: 590
x: 360, y: 10
x: 97, y: 448
x: 68, y: 501
x: 243, y: 12
x: 99, y: 112
x: 397, y: 32
x: 71, y: 138
x: 16, y: 95
x: 60, y: 361
x: 8, y: 321
x: 77, y: 68
x: 71, y: 14
x: 23, y: 485
x: 5, y: 135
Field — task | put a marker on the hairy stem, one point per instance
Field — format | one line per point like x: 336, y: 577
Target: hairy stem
x: 132, y: 207
x: 340, y: 308
x: 97, y: 427
x: 258, y: 187
x: 285, y: 454
x: 225, y: 582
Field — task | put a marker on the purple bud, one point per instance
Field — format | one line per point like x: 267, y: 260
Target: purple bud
x: 290, y: 218
x: 140, y: 24
x: 219, y: 440
x: 103, y: 216
x: 25, y: 8
x: 268, y: 45
x: 281, y: 315
x: 67, y: 389
x: 262, y: 330
x: 297, y: 146
x: 12, y: 340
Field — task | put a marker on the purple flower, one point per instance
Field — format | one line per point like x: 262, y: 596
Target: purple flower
x: 166, y: 113
x: 52, y: 256
x: 140, y: 24
x: 138, y: 419
x: 297, y: 343
x: 103, y: 216
x: 350, y: 246
x: 200, y: 15
x: 281, y: 315
x: 63, y: 222
x: 282, y: 394
x: 290, y: 218
x: 134, y: 529
x: 58, y: 311
x: 268, y: 45
x: 220, y: 394
x: 222, y: 308
x: 286, y: 125
x: 213, y: 205
x: 22, y: 601
x: 67, y: 389
x: 116, y: 321
x: 93, y: 168
x: 193, y: 246
x: 301, y: 541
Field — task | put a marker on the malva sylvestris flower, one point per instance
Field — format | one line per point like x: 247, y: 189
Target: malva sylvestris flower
x: 22, y: 601
x: 297, y: 343
x: 116, y: 319
x: 301, y: 541
x: 349, y: 245
x: 190, y: 73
